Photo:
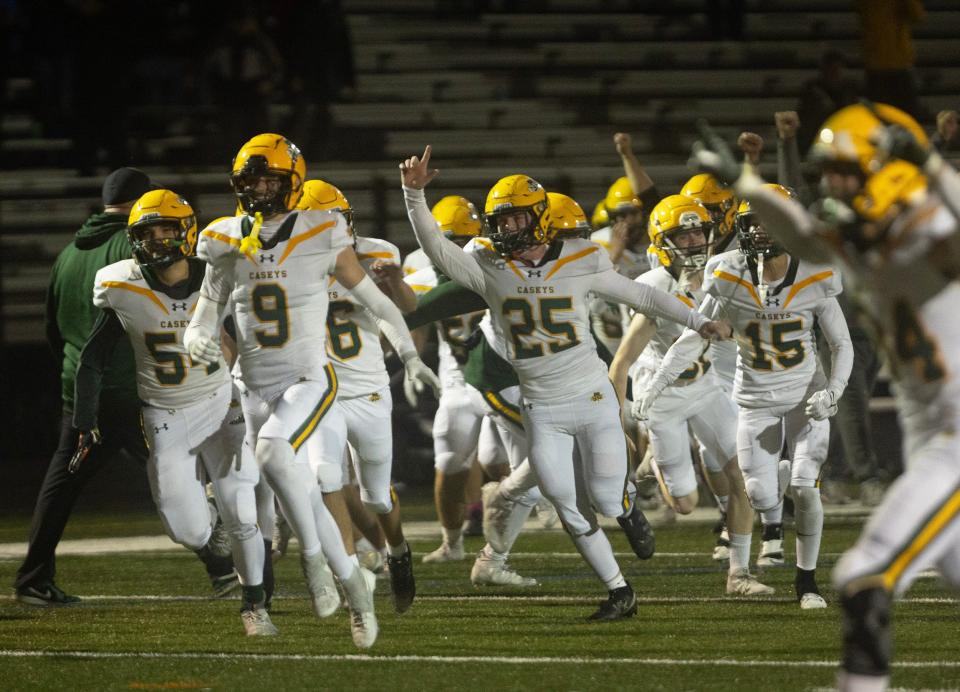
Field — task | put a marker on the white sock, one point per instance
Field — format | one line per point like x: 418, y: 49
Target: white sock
x: 330, y: 537
x: 597, y: 552
x: 520, y: 480
x: 248, y: 556
x: 451, y: 536
x: 809, y: 525
x: 488, y: 553
x: 397, y: 550
x: 772, y: 516
x: 291, y: 482
x: 739, y: 551
x: 514, y: 524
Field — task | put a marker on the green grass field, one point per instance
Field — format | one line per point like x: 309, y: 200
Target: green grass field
x: 146, y: 623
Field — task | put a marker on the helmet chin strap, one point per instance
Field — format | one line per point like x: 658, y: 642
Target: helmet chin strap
x: 762, y: 287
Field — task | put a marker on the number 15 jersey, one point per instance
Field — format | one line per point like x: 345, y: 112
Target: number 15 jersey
x: 279, y: 293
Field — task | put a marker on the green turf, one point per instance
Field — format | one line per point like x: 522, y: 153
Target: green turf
x: 454, y: 619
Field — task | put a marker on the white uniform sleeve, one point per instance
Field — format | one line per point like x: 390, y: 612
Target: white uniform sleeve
x: 444, y: 253
x: 388, y: 316
x: 211, y: 305
x: 947, y: 181
x: 685, y: 350
x: 645, y: 299
x: 834, y: 327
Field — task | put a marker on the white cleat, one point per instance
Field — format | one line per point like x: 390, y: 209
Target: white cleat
x: 256, y: 621
x: 742, y: 583
x: 721, y: 553
x: 363, y: 622
x: 487, y: 572
x: 320, y: 584
x: 547, y: 513
x: 446, y: 553
x: 812, y: 601
x: 281, y: 537
x: 771, y: 553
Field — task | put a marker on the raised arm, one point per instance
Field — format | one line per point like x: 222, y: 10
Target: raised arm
x: 640, y: 181
x: 415, y: 175
x: 449, y: 299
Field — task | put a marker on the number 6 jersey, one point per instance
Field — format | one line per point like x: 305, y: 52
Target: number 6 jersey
x: 279, y: 293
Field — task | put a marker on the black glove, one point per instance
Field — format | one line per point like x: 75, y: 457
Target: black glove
x: 85, y: 441
x: 712, y: 155
x: 897, y: 142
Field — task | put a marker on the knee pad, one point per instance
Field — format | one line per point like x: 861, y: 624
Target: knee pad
x: 867, y: 640
x: 330, y: 477
x: 192, y: 537
x: 809, y: 511
x: 376, y: 503
x: 761, y: 498
x: 448, y: 463
x: 530, y: 497
x: 242, y: 531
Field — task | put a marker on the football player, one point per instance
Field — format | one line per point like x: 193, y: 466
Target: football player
x: 363, y: 410
x: 461, y: 412
x: 681, y: 231
x: 191, y: 413
x: 772, y: 300
x: 537, y: 291
x: 882, y: 219
x: 274, y: 263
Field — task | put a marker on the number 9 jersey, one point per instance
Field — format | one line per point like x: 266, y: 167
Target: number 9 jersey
x: 287, y: 276
x: 776, y: 346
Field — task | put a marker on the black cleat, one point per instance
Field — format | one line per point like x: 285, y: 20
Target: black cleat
x: 621, y: 604
x: 639, y: 533
x: 45, y: 596
x: 401, y: 580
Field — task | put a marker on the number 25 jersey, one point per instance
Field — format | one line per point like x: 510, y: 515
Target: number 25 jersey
x: 776, y: 347
x: 279, y: 293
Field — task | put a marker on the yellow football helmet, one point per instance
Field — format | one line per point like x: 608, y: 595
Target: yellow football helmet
x: 676, y: 225
x: 161, y: 208
x: 457, y: 217
x: 320, y: 195
x: 851, y: 135
x: 516, y: 215
x: 718, y: 200
x: 600, y: 218
x: 621, y: 199
x: 753, y: 239
x: 567, y: 217
x: 279, y: 160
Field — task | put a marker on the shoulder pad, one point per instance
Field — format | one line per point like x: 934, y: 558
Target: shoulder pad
x: 220, y: 238
x: 422, y: 280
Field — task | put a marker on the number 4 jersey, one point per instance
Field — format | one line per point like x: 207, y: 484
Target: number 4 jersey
x: 279, y: 293
x: 776, y: 346
x: 154, y: 318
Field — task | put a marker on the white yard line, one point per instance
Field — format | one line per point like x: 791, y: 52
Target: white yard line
x: 522, y: 660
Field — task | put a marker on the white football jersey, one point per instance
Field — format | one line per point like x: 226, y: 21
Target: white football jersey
x: 353, y: 337
x: 610, y: 321
x: 155, y: 323
x: 776, y: 346
x: 668, y: 332
x: 279, y: 293
x: 452, y: 333
x: 416, y: 261
x: 542, y: 316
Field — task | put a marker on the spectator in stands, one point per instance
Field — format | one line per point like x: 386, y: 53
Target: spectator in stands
x: 945, y: 139
x: 823, y: 95
x: 70, y: 315
x: 888, y: 53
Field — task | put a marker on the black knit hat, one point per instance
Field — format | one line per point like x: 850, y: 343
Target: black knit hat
x: 125, y: 185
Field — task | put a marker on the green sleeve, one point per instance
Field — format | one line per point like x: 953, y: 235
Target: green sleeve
x: 94, y: 358
x: 449, y: 299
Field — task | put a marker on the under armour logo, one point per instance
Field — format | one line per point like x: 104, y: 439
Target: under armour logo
x: 178, y: 306
x: 266, y: 258
x: 157, y: 429
x: 772, y: 301
x: 531, y: 273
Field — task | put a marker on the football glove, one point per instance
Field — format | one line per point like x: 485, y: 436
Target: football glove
x: 202, y: 349
x: 410, y: 393
x: 712, y: 155
x: 822, y: 405
x: 85, y: 441
x: 641, y: 407
x: 420, y: 377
